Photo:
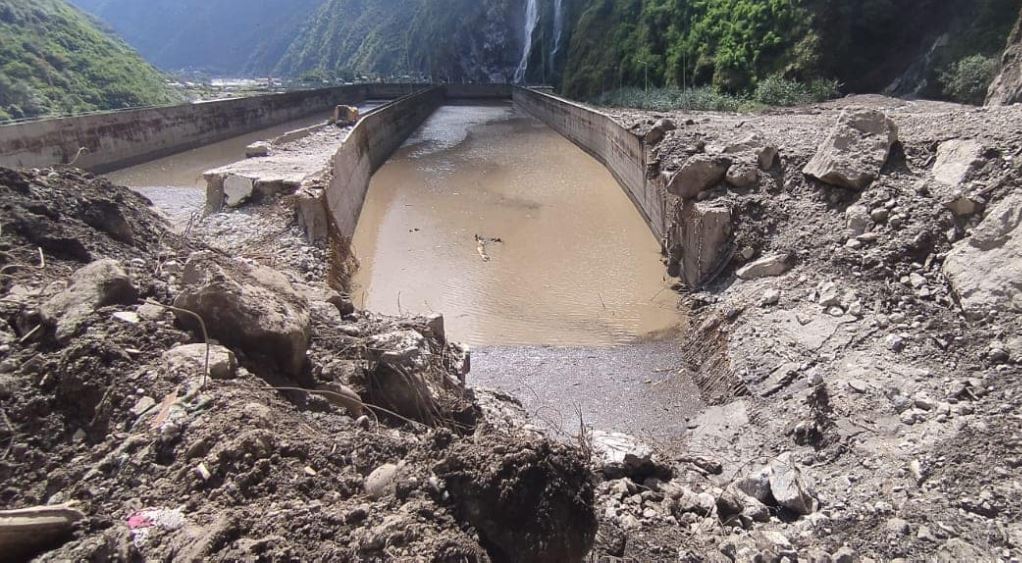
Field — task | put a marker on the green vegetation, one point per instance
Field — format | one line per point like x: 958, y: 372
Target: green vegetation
x: 773, y: 91
x: 738, y: 46
x: 54, y: 60
x: 967, y: 80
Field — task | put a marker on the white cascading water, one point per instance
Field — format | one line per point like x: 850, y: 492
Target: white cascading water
x: 558, y: 27
x: 531, y: 19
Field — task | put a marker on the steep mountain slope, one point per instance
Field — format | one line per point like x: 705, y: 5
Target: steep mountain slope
x: 867, y: 44
x: 445, y: 39
x: 219, y: 36
x: 53, y: 59
x: 1007, y: 87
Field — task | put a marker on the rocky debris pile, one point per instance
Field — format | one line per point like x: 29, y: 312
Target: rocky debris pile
x: 861, y: 328
x: 302, y: 429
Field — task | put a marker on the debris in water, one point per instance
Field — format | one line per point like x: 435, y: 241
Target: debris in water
x: 481, y: 243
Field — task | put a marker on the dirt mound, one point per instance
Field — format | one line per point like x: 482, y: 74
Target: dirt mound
x: 173, y: 454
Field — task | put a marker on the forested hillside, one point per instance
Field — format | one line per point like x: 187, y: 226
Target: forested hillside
x: 946, y: 49
x: 731, y: 44
x: 54, y: 60
x: 452, y: 40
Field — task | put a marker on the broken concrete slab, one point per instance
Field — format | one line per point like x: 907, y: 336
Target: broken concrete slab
x: 700, y: 244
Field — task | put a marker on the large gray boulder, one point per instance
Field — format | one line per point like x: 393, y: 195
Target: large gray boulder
x: 957, y: 160
x: 985, y: 270
x: 1006, y: 89
x: 99, y: 284
x: 698, y: 173
x: 248, y: 307
x: 790, y: 488
x: 855, y: 150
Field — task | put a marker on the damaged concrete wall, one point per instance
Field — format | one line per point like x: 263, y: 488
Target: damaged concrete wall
x: 695, y: 238
x: 114, y: 140
x: 367, y: 147
x: 619, y: 150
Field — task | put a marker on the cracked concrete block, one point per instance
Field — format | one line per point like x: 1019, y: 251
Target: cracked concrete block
x: 701, y: 241
x: 311, y: 212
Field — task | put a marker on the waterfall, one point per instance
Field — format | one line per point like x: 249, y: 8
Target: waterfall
x: 558, y: 26
x: 531, y: 19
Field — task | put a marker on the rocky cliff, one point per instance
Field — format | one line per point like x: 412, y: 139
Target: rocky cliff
x: 454, y: 40
x: 1007, y: 87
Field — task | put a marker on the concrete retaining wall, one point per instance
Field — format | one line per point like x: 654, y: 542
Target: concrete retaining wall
x: 618, y: 149
x: 367, y: 147
x: 695, y: 236
x: 119, y: 139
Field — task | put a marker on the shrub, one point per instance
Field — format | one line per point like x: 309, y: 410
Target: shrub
x: 778, y: 91
x: 773, y: 91
x: 967, y: 80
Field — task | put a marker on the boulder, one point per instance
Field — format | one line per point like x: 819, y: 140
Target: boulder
x: 766, y: 267
x: 249, y: 307
x: 756, y: 485
x: 382, y: 481
x: 1006, y: 89
x: 700, y: 172
x: 96, y: 285
x: 258, y: 149
x: 766, y: 153
x: 985, y: 270
x: 743, y: 175
x: 658, y: 131
x: 790, y: 489
x: 855, y: 150
x: 107, y: 216
x: 190, y: 361
x: 857, y: 220
x: 957, y: 160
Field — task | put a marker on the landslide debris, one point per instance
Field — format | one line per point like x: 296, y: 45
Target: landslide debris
x: 303, y: 430
x: 856, y: 334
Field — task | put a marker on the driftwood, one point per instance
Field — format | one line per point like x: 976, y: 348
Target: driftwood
x: 26, y: 532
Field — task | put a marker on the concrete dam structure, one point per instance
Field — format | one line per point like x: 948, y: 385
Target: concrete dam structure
x: 331, y: 186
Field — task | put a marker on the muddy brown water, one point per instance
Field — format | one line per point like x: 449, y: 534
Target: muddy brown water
x: 566, y: 259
